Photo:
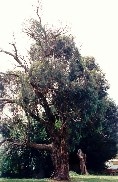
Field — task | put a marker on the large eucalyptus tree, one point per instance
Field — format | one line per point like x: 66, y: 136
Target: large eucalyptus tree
x: 56, y: 86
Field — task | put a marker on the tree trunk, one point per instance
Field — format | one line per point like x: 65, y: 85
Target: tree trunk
x: 60, y: 160
x: 82, y: 158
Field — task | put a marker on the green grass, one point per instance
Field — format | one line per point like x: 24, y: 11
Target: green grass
x: 74, y: 178
x: 23, y: 180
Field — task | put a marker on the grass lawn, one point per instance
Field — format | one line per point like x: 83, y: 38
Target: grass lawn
x: 74, y: 178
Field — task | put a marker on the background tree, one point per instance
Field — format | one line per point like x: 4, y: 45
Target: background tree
x: 97, y: 138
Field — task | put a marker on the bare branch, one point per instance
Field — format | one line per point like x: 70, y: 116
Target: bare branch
x: 15, y: 50
x: 37, y: 12
x: 9, y: 74
x: 3, y: 141
x: 26, y: 109
x: 6, y: 52
x: 15, y: 56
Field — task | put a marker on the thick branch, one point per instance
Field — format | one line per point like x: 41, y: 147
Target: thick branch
x: 40, y: 146
x: 31, y: 145
x: 44, y: 103
x: 7, y: 100
x: 34, y: 145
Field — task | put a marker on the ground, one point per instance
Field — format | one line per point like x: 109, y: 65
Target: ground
x: 74, y: 178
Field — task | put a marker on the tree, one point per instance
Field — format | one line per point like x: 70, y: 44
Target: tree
x: 97, y: 137
x: 56, y: 87
x: 101, y: 139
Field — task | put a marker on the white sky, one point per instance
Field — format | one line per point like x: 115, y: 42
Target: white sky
x: 94, y: 23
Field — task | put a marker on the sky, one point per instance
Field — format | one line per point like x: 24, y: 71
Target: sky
x: 94, y: 24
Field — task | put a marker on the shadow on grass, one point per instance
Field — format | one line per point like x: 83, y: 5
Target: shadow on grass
x: 74, y: 178
x: 23, y: 180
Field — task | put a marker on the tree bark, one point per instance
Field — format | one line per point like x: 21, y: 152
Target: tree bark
x: 60, y: 160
